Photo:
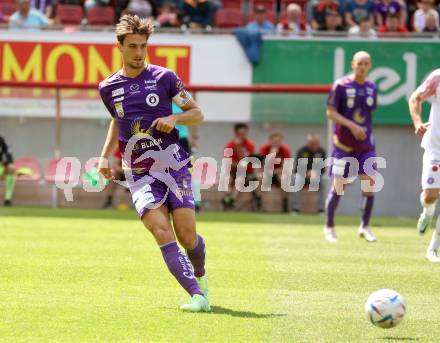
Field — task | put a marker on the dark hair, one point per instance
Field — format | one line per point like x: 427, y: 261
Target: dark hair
x: 132, y: 24
x: 240, y: 126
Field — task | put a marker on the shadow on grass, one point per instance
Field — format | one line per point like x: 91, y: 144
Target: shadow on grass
x: 243, y: 314
x: 214, y: 217
x: 392, y: 338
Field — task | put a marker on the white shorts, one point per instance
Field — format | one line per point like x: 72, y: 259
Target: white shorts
x: 431, y: 171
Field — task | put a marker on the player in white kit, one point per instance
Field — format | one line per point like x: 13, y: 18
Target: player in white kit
x: 430, y: 134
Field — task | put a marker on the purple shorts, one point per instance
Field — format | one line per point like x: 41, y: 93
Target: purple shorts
x: 341, y: 167
x: 172, y: 189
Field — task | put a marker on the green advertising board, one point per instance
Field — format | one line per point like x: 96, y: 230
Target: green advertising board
x: 398, y: 67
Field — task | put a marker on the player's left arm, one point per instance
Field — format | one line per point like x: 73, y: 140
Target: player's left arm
x: 421, y: 94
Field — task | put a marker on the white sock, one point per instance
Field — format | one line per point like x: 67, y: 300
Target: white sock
x: 435, y: 240
x: 428, y: 209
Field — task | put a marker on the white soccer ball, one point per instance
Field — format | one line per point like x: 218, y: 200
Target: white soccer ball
x: 385, y: 308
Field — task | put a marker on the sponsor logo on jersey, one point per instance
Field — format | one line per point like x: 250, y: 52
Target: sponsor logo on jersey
x: 119, y: 109
x: 150, y: 85
x: 119, y: 99
x: 370, y: 91
x: 430, y: 180
x: 351, y: 92
x: 370, y: 101
x: 152, y: 99
x: 118, y: 92
x: 358, y: 118
x: 350, y: 102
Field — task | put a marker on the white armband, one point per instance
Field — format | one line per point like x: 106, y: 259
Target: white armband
x: 182, y: 98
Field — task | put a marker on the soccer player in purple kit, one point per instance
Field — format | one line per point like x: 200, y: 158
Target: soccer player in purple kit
x: 350, y: 105
x: 139, y: 97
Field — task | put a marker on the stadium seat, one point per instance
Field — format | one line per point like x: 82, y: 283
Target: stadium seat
x: 229, y: 18
x: 270, y: 5
x: 51, y: 175
x: 70, y: 14
x: 101, y: 16
x: 8, y: 8
x: 27, y: 169
x: 232, y: 4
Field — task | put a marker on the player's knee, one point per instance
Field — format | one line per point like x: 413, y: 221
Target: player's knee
x: 430, y: 197
x: 161, y: 232
x: 368, y: 194
x: 187, y: 239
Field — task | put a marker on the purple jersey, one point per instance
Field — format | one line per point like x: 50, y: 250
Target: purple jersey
x: 135, y: 103
x: 384, y: 9
x: 355, y: 102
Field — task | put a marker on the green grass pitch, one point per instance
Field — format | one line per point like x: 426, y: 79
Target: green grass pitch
x: 97, y: 276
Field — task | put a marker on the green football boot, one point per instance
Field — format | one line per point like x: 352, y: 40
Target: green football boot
x: 203, y: 284
x: 198, y: 304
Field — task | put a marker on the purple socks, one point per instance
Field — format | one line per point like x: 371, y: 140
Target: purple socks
x: 367, y: 209
x: 197, y: 257
x: 179, y: 265
x: 330, y: 208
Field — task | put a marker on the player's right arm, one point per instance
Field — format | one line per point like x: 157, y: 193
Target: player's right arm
x: 421, y: 94
x: 109, y: 146
x: 333, y: 101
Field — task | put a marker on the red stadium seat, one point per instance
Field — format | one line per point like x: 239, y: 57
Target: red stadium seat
x: 270, y: 5
x: 269, y: 15
x: 28, y: 164
x: 65, y: 174
x: 229, y: 18
x: 8, y: 8
x: 101, y: 16
x: 70, y: 14
x: 232, y: 4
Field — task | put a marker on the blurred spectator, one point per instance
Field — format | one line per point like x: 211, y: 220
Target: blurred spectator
x: 7, y: 171
x: 431, y: 22
x: 320, y: 12
x: 68, y: 2
x: 260, y: 22
x: 425, y: 6
x: 44, y: 6
x: 88, y: 4
x: 384, y: 8
x: 333, y: 21
x: 305, y: 156
x: 197, y: 13
x: 27, y: 18
x: 357, y: 10
x: 142, y: 8
x: 392, y: 25
x: 364, y: 29
x: 276, y: 149
x: 241, y: 147
x: 168, y: 15
x: 293, y: 24
x: 3, y: 18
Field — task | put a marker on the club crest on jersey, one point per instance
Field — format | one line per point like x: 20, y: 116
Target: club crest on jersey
x: 152, y: 99
x: 118, y: 92
x: 119, y: 109
x: 350, y: 102
x: 370, y: 101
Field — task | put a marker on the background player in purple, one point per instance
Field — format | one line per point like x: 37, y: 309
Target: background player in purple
x: 139, y: 97
x: 350, y: 105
